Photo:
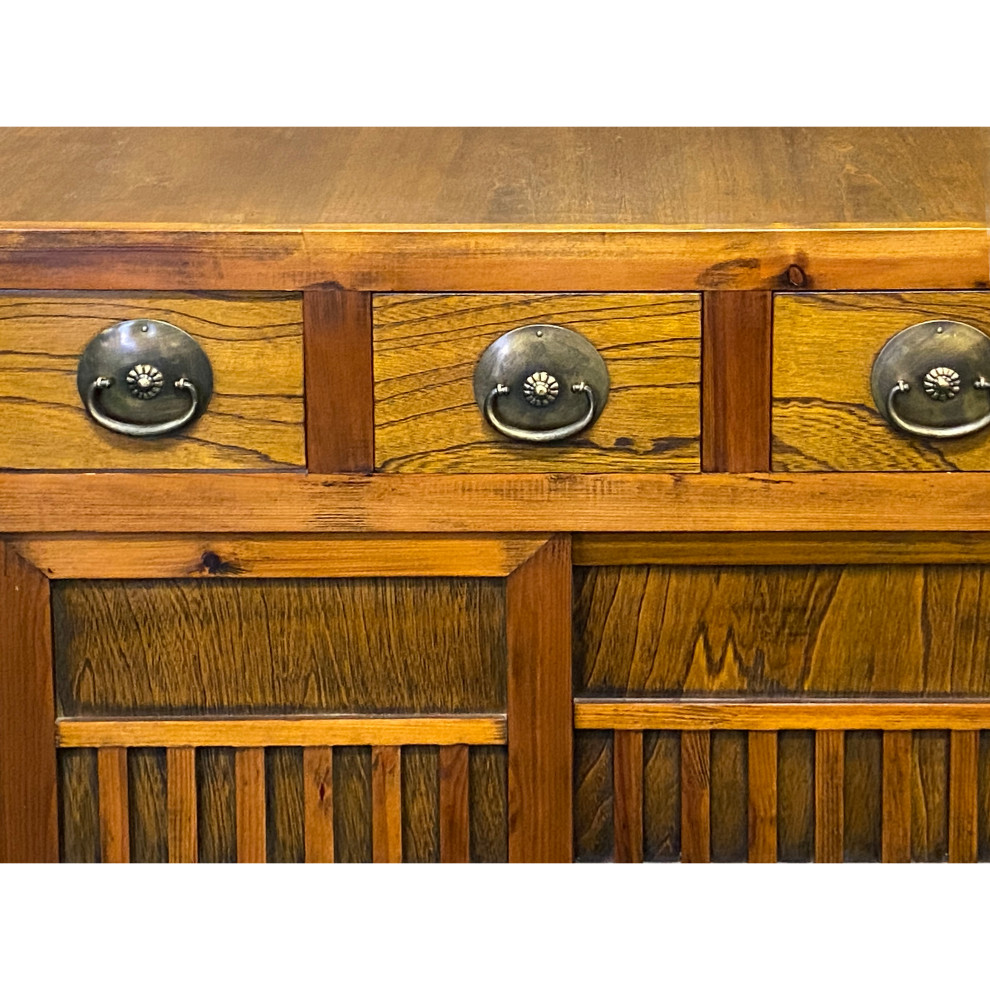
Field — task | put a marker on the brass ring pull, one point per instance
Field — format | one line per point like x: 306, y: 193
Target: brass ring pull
x: 935, y: 432
x: 140, y: 429
x: 539, y: 436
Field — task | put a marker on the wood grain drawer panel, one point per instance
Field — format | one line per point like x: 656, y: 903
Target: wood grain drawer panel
x: 254, y: 420
x: 279, y: 646
x: 426, y: 348
x: 824, y: 418
x: 818, y: 631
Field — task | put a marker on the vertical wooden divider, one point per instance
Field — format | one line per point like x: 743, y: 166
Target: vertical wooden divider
x: 540, y: 706
x: 318, y: 803
x: 627, y: 788
x: 830, y: 761
x: 339, y: 371
x: 28, y: 790
x: 964, y: 752
x: 455, y: 808
x: 896, y: 834
x: 181, y: 804
x: 762, y: 763
x: 696, y: 818
x: 386, y: 804
x: 249, y: 788
x: 115, y: 833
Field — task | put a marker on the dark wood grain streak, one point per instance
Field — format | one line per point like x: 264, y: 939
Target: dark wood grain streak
x: 696, y: 846
x: 147, y: 805
x: 761, y: 760
x: 862, y: 797
x: 352, y: 835
x: 422, y: 804
x: 28, y: 787
x: 489, y: 800
x: 386, y: 804
x: 896, y: 846
x: 983, y: 799
x: 540, y: 717
x: 339, y: 381
x: 627, y: 777
x: 929, y: 796
x: 796, y: 796
x: 79, y: 816
x: 830, y: 812
x: 182, y: 808
x: 249, y: 770
x: 216, y: 805
x: 963, y: 796
x: 594, y: 796
x: 455, y: 805
x: 735, y: 381
x: 115, y: 841
x: 284, y: 813
x: 318, y: 803
x: 662, y: 796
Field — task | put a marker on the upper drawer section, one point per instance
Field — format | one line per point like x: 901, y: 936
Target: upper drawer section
x: 254, y: 419
x: 427, y: 346
x: 824, y: 415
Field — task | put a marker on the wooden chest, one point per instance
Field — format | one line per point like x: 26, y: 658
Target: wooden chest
x: 340, y: 616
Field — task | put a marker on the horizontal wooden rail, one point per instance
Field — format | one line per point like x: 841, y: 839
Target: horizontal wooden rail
x: 776, y: 715
x: 343, y: 730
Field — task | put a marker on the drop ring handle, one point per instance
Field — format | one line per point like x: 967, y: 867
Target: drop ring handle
x: 539, y: 436
x: 140, y: 429
x: 935, y: 432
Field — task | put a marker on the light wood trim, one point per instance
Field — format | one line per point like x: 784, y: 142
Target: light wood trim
x: 455, y: 808
x: 386, y: 804
x: 115, y: 836
x: 249, y: 776
x: 761, y: 758
x: 964, y: 751
x: 490, y: 257
x: 779, y: 715
x: 696, y: 752
x: 126, y: 557
x: 383, y: 503
x: 334, y: 730
x: 318, y: 803
x: 181, y: 804
x: 830, y: 763
x: 896, y: 835
x: 627, y: 787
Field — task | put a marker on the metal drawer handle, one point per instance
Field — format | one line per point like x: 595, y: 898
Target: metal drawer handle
x: 140, y: 429
x: 540, y: 436
x: 937, y: 432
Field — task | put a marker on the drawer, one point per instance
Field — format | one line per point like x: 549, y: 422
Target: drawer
x: 824, y: 416
x: 254, y: 419
x: 426, y: 348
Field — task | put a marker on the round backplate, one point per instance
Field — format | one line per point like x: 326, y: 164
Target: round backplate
x: 936, y: 344
x: 541, y: 347
x: 119, y: 350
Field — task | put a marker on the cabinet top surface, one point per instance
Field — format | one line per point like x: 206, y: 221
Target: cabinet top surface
x: 709, y: 177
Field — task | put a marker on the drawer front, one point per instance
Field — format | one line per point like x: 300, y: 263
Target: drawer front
x: 824, y: 416
x: 426, y: 348
x: 255, y: 417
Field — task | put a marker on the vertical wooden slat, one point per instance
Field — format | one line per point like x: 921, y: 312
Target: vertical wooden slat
x: 28, y: 789
x: 627, y: 781
x: 115, y: 838
x: 762, y: 763
x: 829, y: 791
x: 337, y: 351
x: 318, y: 803
x: 963, y: 762
x: 386, y: 804
x: 455, y: 815
x: 735, y: 381
x: 796, y: 796
x: 182, y: 819
x: 728, y: 812
x: 696, y: 796
x: 249, y: 773
x: 539, y: 695
x: 896, y: 842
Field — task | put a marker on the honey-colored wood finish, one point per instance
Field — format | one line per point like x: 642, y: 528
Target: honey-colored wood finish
x: 426, y: 348
x: 318, y: 803
x: 628, y: 786
x: 695, y: 796
x: 254, y: 420
x: 182, y: 821
x: 115, y: 842
x: 455, y: 807
x: 386, y: 804
x: 963, y: 790
x: 147, y: 805
x: 896, y: 797
x: 829, y: 781
x: 250, y: 796
x: 824, y: 418
x: 762, y: 765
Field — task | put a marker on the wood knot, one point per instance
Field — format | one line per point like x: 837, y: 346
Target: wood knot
x: 796, y: 276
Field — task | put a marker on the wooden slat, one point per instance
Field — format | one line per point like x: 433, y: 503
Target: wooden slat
x: 735, y: 384
x: 829, y: 791
x: 338, y: 730
x: 318, y: 803
x: 762, y: 768
x: 695, y: 796
x: 115, y: 840
x: 963, y: 790
x: 383, y: 503
x: 340, y: 435
x: 539, y: 706
x: 896, y: 847
x: 627, y: 783
x: 28, y: 817
x: 386, y: 804
x: 250, y: 790
x: 182, y: 808
x: 455, y: 807
x: 779, y: 715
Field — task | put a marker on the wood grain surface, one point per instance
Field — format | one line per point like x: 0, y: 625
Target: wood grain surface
x: 253, y: 422
x: 78, y: 807
x: 781, y: 631
x: 896, y: 840
x: 489, y: 802
x: 318, y: 803
x: 423, y: 807
x: 249, y: 792
x: 824, y: 417
x: 761, y: 763
x: 696, y: 786
x: 386, y: 804
x: 797, y: 778
x: 829, y: 796
x: 594, y: 796
x: 115, y: 839
x: 426, y: 348
x: 964, y: 748
x: 662, y: 796
x: 727, y: 796
x: 455, y: 804
x: 147, y: 805
x: 929, y: 796
x: 246, y: 647
x: 862, y: 797
x: 627, y: 784
x: 285, y: 839
x: 352, y: 836
x: 182, y: 810
x: 216, y: 808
